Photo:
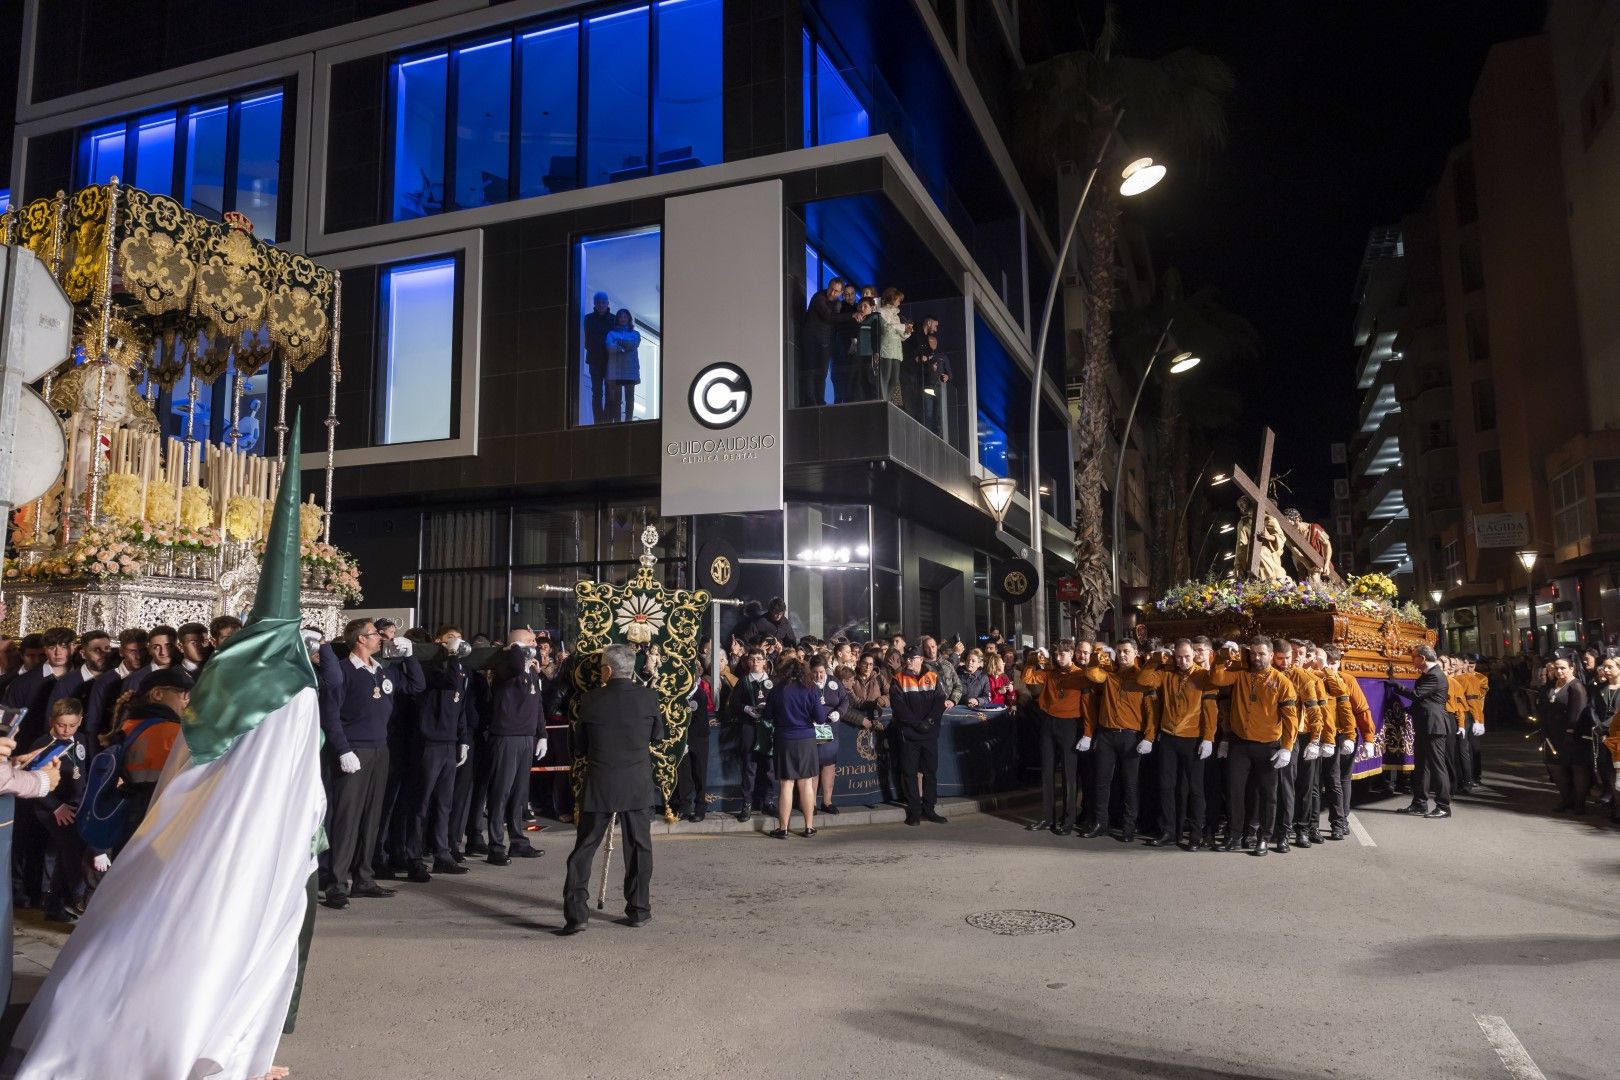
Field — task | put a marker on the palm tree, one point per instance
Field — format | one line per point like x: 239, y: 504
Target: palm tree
x: 1220, y: 337
x: 1066, y: 107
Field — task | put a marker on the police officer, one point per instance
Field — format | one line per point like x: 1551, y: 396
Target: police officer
x: 516, y: 740
x: 358, y: 744
x: 441, y: 712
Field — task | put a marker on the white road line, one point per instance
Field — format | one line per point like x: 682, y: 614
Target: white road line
x: 1361, y: 833
x: 1515, y: 1058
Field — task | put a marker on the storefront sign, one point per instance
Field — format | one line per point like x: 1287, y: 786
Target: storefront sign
x: 723, y: 351
x: 1501, y: 530
x: 1015, y: 581
x: 1068, y: 589
x: 717, y: 569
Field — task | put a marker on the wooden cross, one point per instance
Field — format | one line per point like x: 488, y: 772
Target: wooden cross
x: 1263, y: 506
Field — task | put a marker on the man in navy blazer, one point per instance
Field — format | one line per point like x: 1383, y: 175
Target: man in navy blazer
x: 617, y: 724
x: 1431, y: 726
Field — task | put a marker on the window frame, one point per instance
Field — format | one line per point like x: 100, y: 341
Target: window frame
x: 576, y: 332
x: 233, y: 98
x: 469, y: 245
x: 383, y: 360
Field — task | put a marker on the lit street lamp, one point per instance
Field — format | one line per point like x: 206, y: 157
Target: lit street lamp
x: 1180, y: 363
x: 997, y: 492
x: 1136, y: 177
x: 1527, y: 559
x: 1437, y: 595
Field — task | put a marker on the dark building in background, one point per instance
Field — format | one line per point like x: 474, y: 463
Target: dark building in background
x: 478, y: 172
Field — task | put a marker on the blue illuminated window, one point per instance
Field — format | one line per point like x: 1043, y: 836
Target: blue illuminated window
x: 419, y: 108
x: 616, y: 69
x: 484, y: 123
x: 548, y: 158
x: 615, y: 96
x: 225, y: 153
x: 5, y: 200
x: 418, y: 351
x: 833, y: 111
x: 687, y: 107
x: 1003, y: 417
x: 618, y: 384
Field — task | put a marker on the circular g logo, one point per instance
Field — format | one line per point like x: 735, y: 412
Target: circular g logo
x: 719, y: 396
x: 1015, y: 583
x: 720, y: 571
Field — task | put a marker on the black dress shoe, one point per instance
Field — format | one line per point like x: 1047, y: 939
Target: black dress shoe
x: 1162, y: 840
x: 1315, y: 836
x: 337, y: 901
x: 640, y: 920
x: 1280, y: 847
x: 478, y: 847
x: 1125, y: 836
x: 913, y: 820
x: 458, y: 856
x: 1336, y: 833
x: 1199, y: 844
x: 1092, y: 833
x: 418, y: 875
x: 699, y: 816
x: 1438, y: 812
x: 782, y: 834
x: 1414, y: 808
x: 528, y: 853
x: 1039, y: 825
x: 499, y: 858
x: 372, y: 892
x: 936, y: 818
x: 1258, y: 848
x: 1061, y: 830
x: 571, y: 928
x: 829, y: 809
x: 1231, y: 843
x: 387, y: 873
x: 744, y: 814
x: 449, y: 866
x: 1301, y: 839
x: 690, y: 815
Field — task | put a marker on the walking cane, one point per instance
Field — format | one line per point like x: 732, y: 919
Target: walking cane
x: 607, y: 861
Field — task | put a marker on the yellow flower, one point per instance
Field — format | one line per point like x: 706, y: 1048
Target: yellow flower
x: 310, y: 519
x: 196, y: 508
x: 122, y: 499
x: 160, y: 503
x: 243, y: 518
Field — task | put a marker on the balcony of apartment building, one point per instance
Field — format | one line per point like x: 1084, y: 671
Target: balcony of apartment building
x: 1390, y: 545
x: 1385, y: 499
x: 1382, y: 450
x: 1379, y: 349
x: 1378, y: 402
x: 1584, y: 482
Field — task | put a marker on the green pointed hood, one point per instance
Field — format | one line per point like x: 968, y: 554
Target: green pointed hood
x: 262, y: 666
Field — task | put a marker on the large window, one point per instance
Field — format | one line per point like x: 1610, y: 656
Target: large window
x: 216, y: 156
x: 619, y: 286
x: 833, y: 111
x: 418, y: 351
x: 614, y: 96
x: 1568, y: 502
x: 1490, y: 476
x: 1606, y: 494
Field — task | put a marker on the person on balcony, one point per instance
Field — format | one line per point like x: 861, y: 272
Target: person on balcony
x: 892, y: 332
x: 623, y: 368
x: 819, y: 338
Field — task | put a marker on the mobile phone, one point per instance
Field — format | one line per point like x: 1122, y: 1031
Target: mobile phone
x: 50, y: 754
x: 11, y: 718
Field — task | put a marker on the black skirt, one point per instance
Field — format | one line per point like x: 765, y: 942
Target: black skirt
x: 797, y: 759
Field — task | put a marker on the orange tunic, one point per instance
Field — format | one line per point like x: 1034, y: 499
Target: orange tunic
x: 1310, y: 693
x: 1265, y: 706
x: 1125, y: 701
x: 1186, y: 709
x: 1057, y: 697
x: 1361, y: 710
x: 1340, y: 710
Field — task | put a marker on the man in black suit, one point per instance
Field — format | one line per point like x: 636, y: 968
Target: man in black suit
x: 1432, y: 727
x: 618, y: 723
x: 820, y: 332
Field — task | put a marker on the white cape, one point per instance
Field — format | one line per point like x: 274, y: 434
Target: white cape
x: 183, y: 966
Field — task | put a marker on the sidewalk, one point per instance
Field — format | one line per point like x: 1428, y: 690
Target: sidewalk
x: 723, y: 822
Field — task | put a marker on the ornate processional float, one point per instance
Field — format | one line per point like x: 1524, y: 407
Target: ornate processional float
x: 141, y: 526
x: 1363, y: 615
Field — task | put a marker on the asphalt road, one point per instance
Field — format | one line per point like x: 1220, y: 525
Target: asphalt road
x: 847, y: 955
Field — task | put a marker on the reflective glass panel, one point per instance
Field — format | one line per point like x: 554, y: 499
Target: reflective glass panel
x: 418, y: 350
x: 206, y: 127
x: 687, y: 108
x: 419, y: 108
x: 616, y: 94
x: 154, y: 153
x: 103, y: 154
x: 483, y: 123
x: 258, y: 162
x: 549, y: 148
x: 620, y: 332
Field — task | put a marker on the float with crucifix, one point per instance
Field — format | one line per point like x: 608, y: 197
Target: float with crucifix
x: 1363, y: 615
x: 154, y: 510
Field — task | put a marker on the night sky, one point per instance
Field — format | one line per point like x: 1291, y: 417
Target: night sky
x: 1342, y: 117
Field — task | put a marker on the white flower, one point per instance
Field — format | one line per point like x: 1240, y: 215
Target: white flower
x: 639, y: 617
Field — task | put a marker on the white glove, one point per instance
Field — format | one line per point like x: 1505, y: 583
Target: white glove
x: 1312, y: 751
x: 1205, y: 749
x: 461, y: 758
x: 1329, y: 748
x: 1226, y: 748
x: 401, y: 647
x: 752, y: 710
x: 540, y: 748
x: 1617, y: 781
x: 1084, y: 744
x: 1347, y: 746
x: 102, y: 863
x: 1478, y: 729
x: 832, y: 717
x: 1144, y: 747
x: 1281, y: 758
x: 350, y: 762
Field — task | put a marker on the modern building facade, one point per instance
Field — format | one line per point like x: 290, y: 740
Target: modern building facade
x: 480, y: 172
x: 1380, y: 515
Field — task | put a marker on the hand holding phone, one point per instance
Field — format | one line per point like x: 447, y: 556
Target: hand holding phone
x: 11, y: 718
x: 47, y: 756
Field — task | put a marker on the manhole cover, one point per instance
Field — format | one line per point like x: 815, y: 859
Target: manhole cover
x: 1019, y: 922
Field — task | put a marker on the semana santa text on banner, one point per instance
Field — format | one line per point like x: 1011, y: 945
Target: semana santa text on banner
x: 723, y: 361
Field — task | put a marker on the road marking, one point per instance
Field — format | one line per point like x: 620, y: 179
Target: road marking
x: 1515, y: 1058
x: 1361, y: 833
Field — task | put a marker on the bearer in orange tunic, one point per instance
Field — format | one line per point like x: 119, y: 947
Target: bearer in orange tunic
x: 1264, y: 722
x: 1187, y: 715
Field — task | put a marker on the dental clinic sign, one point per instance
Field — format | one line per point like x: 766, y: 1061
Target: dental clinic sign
x: 722, y: 387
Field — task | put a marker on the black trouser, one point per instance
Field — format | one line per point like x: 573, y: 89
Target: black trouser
x: 399, y: 797
x: 1457, y: 748
x: 1335, y: 787
x: 1602, y: 763
x: 1570, y: 769
x: 1475, y: 760
x: 1215, y: 794
x: 920, y: 755
x: 67, y: 851
x: 435, y: 794
x: 846, y: 375
x: 599, y: 399
x: 469, y: 809
x: 1432, y: 776
x: 635, y: 826
x: 1181, y: 782
x: 815, y: 357
x: 1248, y: 758
x: 692, y: 779
x: 1305, y: 780
x: 357, y: 804
x: 1058, y: 737
x: 28, y: 853
x: 509, y: 761
x: 751, y: 766
x: 1110, y: 750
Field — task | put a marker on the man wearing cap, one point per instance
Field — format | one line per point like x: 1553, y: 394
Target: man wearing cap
x: 358, y: 744
x: 594, y: 331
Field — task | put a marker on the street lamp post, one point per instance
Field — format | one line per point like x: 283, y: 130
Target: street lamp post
x: 1527, y: 559
x: 1183, y: 361
x: 1135, y: 178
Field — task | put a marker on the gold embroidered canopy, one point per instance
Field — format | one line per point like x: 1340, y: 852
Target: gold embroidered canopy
x: 181, y: 286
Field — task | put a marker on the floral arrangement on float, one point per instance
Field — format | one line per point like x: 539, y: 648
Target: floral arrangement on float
x: 1372, y: 595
